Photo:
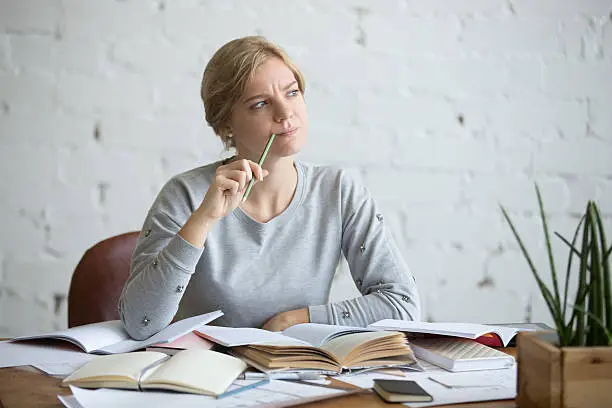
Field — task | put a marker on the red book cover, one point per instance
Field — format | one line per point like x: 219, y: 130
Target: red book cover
x: 490, y: 339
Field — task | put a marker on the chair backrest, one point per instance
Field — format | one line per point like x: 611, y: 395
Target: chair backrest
x: 98, y: 280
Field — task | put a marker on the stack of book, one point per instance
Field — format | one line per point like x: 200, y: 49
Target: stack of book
x: 456, y: 346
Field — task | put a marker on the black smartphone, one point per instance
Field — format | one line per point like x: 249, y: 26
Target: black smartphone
x: 401, y: 391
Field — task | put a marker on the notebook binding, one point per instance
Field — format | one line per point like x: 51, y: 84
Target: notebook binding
x: 147, y: 368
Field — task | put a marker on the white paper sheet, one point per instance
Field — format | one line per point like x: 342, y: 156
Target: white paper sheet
x: 69, y: 401
x: 18, y: 354
x: 61, y: 369
x: 489, y: 378
x: 472, y: 386
x: 504, y: 387
x: 106, y: 397
x: 275, y: 393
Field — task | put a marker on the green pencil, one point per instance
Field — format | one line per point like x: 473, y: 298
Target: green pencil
x: 260, y: 162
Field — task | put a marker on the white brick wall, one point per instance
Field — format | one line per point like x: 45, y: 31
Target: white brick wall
x: 443, y: 108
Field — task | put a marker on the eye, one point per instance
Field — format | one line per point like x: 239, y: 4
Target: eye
x: 293, y: 92
x: 258, y: 105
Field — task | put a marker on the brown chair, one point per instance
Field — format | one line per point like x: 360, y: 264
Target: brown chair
x: 98, y: 280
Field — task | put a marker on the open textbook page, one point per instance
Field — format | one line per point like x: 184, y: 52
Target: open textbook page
x: 305, y: 334
x: 111, y: 338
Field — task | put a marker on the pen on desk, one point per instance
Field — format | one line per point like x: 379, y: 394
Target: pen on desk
x: 260, y: 162
x: 243, y: 388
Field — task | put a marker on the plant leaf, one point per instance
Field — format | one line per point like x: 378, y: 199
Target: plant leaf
x: 596, y: 298
x: 607, y: 301
x: 579, y: 335
x: 553, y: 307
x: 607, y: 255
x: 574, y: 250
x: 569, y: 263
x: 580, y: 298
x: 597, y: 320
x: 551, y: 259
x: 569, y: 244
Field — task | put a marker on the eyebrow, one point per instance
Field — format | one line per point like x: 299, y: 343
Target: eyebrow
x: 259, y: 96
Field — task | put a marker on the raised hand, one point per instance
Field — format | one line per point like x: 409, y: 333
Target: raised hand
x: 228, y: 187
x: 222, y: 197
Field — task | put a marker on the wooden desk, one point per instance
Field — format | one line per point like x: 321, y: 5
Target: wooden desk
x: 27, y: 387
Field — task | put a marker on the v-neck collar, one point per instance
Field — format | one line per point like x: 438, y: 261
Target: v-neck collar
x: 287, y: 214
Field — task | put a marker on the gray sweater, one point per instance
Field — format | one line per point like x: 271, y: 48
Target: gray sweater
x: 253, y: 271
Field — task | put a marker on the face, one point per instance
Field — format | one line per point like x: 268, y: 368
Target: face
x: 271, y: 103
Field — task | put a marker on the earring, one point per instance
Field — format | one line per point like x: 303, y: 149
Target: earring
x: 229, y: 140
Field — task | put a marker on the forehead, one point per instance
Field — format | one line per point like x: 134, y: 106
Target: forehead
x: 272, y: 72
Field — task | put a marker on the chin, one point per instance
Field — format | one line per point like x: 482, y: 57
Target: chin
x: 288, y: 151
x: 290, y: 146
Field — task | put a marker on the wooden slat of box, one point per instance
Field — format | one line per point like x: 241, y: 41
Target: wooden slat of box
x: 587, y: 376
x: 552, y: 377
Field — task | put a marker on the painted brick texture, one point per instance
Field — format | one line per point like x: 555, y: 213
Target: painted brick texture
x: 443, y: 108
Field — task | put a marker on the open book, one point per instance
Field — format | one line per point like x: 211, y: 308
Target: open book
x: 472, y: 331
x: 111, y: 338
x: 193, y: 371
x: 311, y: 346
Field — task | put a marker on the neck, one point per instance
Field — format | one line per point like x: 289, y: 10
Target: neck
x: 272, y: 196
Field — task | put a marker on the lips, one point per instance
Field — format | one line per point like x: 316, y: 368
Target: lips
x: 288, y: 132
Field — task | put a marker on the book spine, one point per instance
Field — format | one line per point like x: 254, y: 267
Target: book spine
x: 148, y: 368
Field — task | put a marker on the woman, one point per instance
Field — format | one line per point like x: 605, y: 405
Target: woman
x: 268, y: 261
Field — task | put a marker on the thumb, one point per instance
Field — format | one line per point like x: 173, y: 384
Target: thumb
x: 265, y: 172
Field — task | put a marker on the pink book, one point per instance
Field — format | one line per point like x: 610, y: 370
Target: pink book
x: 189, y: 341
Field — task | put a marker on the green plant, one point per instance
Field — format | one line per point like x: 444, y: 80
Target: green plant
x: 590, y: 321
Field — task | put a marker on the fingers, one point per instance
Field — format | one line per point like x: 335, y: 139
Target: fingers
x: 243, y: 165
x: 227, y: 185
x: 258, y: 172
x: 250, y: 168
x: 233, y: 178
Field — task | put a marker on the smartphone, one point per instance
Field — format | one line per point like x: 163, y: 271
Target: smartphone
x: 401, y: 391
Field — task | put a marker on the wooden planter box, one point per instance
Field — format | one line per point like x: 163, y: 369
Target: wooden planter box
x: 553, y: 377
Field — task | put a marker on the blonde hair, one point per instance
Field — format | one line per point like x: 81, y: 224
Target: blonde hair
x: 227, y: 74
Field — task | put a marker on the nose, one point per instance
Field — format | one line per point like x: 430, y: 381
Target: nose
x: 283, y: 112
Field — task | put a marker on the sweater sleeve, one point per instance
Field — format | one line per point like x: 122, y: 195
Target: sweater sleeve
x: 376, y: 264
x: 161, y: 266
